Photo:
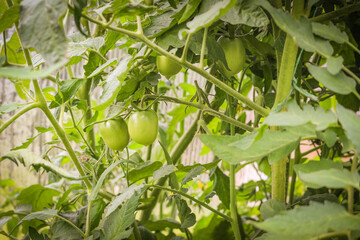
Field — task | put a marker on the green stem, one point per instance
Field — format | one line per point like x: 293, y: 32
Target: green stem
x: 203, y: 47
x: 204, y: 109
x: 278, y: 169
x: 88, y: 217
x: 186, y: 47
x: 205, y: 74
x: 99, y: 54
x: 90, y: 134
x: 5, y: 48
x: 18, y: 114
x: 354, y: 165
x: 353, y: 75
x: 60, y: 132
x: 137, y: 234
x: 293, y: 175
x: 353, y: 47
x: 193, y: 199
x: 337, y: 13
x: 72, y: 224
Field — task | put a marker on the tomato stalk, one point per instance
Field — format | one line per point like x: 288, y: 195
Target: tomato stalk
x: 354, y: 166
x: 278, y: 169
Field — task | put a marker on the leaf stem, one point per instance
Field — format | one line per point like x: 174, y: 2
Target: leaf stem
x: 353, y: 75
x: 354, y: 165
x: 204, y: 109
x: 353, y: 47
x: 18, y: 114
x: 193, y: 199
x: 88, y: 217
x: 186, y: 47
x: 203, y: 47
x: 139, y: 26
x: 337, y: 13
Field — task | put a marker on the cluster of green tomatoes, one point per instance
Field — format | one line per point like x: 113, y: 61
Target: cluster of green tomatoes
x: 142, y: 126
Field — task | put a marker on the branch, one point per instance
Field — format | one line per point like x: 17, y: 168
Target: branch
x: 337, y: 13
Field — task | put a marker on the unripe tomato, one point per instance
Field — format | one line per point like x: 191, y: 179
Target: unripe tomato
x: 167, y: 67
x: 143, y: 127
x: 115, y: 133
x: 234, y: 54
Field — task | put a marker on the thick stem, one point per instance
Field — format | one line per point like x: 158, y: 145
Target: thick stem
x: 337, y: 13
x: 351, y: 189
x: 137, y: 234
x: 193, y: 199
x: 90, y: 134
x: 18, y: 114
x: 186, y: 47
x: 88, y: 217
x: 233, y: 208
x: 293, y: 175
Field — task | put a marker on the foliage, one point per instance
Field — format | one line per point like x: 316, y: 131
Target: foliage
x: 298, y: 86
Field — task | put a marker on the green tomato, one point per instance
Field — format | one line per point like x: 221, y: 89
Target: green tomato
x: 167, y: 67
x: 143, y: 127
x: 234, y: 54
x: 115, y: 133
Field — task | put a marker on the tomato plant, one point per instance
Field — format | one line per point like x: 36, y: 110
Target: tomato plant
x: 143, y: 127
x: 166, y: 66
x: 115, y: 133
x: 258, y: 137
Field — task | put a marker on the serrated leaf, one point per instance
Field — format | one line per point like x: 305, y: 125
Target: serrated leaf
x: 192, y: 174
x: 124, y: 196
x: 271, y: 208
x: 210, y: 11
x: 6, y: 108
x: 117, y: 224
x: 187, y: 218
x: 25, y: 73
x: 163, y: 171
x: 189, y: 10
x: 10, y: 16
x: 109, y: 63
x: 28, y: 159
x: 222, y: 186
x: 113, y: 83
x: 351, y: 124
x: 96, y: 189
x: 79, y: 48
x: 330, y: 32
x: 331, y: 178
x: 67, y: 90
x: 162, y: 224
x: 300, y: 30
x: 143, y: 171
x: 339, y: 83
x: 284, y: 151
x: 49, y: 39
x: 40, y: 215
x: 38, y: 196
x: 306, y: 222
x: 295, y: 116
x: 246, y: 12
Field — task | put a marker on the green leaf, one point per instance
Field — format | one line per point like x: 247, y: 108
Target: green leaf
x: 187, y: 218
x: 101, y: 180
x: 339, y: 83
x: 60, y: 227
x: 189, y: 10
x: 15, y: 53
x: 330, y: 32
x: 143, y: 171
x: 246, y: 12
x: 222, y: 186
x: 162, y: 224
x: 163, y: 171
x: 331, y: 178
x: 192, y: 174
x: 38, y: 196
x: 10, y: 16
x: 283, y: 151
x: 3, y: 221
x: 351, y: 124
x: 67, y: 90
x: 40, y: 215
x: 300, y: 30
x: 113, y: 83
x: 334, y: 64
x: 271, y: 208
x: 228, y: 148
x: 313, y: 166
x: 295, y: 116
x: 6, y: 108
x: 173, y: 182
x: 308, y: 222
x: 25, y: 73
x: 101, y: 68
x: 79, y: 48
x: 328, y: 136
x: 124, y: 196
x: 36, y: 17
x: 28, y: 159
x: 117, y: 224
x: 210, y: 11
